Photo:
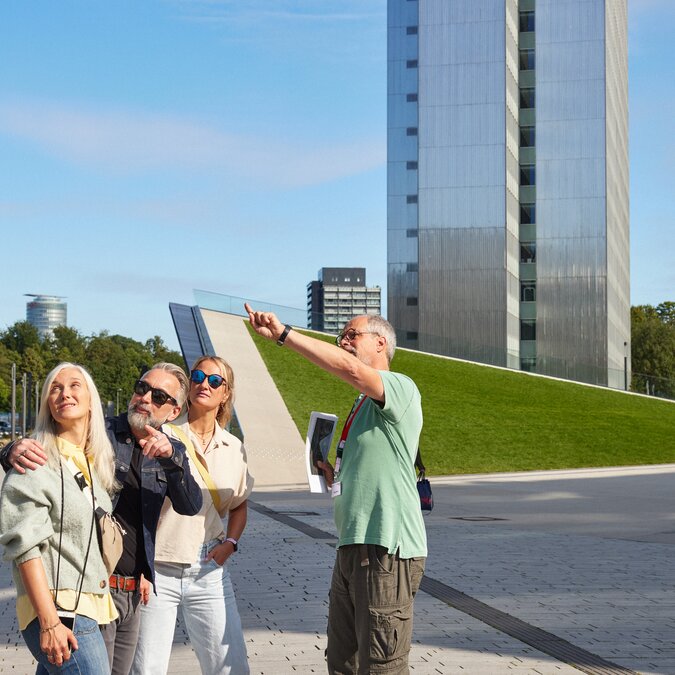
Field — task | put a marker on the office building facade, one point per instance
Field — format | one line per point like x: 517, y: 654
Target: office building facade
x: 339, y: 294
x: 46, y: 312
x: 508, y: 230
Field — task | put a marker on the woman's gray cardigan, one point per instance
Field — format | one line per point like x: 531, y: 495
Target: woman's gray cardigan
x: 30, y: 521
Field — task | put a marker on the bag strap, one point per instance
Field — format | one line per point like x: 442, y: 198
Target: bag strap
x: 197, y: 461
x: 82, y: 484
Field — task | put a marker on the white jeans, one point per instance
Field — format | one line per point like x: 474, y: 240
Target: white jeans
x: 205, y: 596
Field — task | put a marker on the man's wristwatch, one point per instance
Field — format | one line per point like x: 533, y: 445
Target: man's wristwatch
x: 284, y: 335
x: 234, y: 543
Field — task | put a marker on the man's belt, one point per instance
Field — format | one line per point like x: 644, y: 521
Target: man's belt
x: 123, y: 583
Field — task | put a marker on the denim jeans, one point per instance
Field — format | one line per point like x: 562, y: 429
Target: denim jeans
x: 203, y: 592
x: 90, y: 658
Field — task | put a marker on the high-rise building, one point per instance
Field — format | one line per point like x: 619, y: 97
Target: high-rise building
x: 339, y: 294
x: 46, y: 312
x: 508, y: 229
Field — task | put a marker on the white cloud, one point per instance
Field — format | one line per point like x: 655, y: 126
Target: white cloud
x: 131, y: 141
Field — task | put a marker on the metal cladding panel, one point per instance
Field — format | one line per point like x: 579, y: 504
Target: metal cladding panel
x: 400, y: 180
x: 401, y: 246
x: 618, y: 226
x: 571, y: 176
x: 468, y: 207
x: 402, y: 76
x: 463, y: 290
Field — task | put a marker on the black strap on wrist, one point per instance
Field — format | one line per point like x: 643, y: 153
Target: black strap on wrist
x: 284, y: 335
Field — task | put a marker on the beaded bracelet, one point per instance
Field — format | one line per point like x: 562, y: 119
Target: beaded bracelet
x: 48, y: 628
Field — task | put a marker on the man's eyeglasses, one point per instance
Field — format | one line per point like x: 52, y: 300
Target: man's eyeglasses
x: 351, y: 334
x: 215, y: 381
x: 159, y: 396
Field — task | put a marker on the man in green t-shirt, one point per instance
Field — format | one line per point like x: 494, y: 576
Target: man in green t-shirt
x: 382, y: 542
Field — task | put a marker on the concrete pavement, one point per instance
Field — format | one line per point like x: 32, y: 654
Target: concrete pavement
x: 577, y: 565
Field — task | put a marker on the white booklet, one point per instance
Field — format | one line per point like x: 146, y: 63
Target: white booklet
x: 317, y: 444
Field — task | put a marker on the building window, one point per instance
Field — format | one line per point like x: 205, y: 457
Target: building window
x: 411, y: 63
x: 412, y: 166
x: 411, y: 199
x: 528, y: 364
x: 411, y: 30
x: 411, y: 302
x: 527, y: 214
x: 528, y: 291
x: 526, y: 22
x: 411, y: 234
x: 411, y: 267
x: 528, y: 330
x: 527, y: 98
x: 411, y: 335
x: 527, y: 59
x: 528, y: 174
x: 528, y: 251
x: 411, y: 131
x: 527, y: 137
x: 411, y: 98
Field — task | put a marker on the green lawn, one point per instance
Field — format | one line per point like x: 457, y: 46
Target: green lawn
x: 479, y: 419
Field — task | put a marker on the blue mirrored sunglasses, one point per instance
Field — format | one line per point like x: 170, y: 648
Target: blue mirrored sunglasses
x: 215, y: 381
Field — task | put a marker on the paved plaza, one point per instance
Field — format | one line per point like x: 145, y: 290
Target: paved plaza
x: 545, y: 568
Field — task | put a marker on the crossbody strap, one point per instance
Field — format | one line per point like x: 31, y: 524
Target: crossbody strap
x: 203, y: 471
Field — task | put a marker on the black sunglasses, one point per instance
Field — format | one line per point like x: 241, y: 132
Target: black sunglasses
x: 159, y: 396
x: 215, y: 381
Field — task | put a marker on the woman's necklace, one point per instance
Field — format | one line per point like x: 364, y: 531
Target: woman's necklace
x: 204, y: 438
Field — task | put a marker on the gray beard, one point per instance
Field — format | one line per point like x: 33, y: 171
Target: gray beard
x: 137, y: 421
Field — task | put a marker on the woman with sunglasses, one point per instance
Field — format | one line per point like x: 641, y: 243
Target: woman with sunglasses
x: 191, y: 552
x: 48, y: 529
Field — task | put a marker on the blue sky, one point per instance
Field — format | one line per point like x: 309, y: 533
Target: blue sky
x: 148, y: 148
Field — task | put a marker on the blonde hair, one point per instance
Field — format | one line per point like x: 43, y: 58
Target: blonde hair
x: 224, y: 414
x: 96, y: 446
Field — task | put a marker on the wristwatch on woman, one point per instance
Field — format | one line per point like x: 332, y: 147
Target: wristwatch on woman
x: 234, y: 543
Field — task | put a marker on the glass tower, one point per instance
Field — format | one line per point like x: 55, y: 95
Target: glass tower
x: 46, y: 312
x: 508, y: 183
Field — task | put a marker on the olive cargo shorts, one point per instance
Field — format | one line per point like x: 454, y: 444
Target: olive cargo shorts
x: 370, y: 614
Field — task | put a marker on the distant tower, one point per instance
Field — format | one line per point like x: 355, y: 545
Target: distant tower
x: 46, y: 312
x: 339, y: 294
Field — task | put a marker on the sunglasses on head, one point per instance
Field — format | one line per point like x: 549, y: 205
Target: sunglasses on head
x: 159, y: 396
x: 215, y: 381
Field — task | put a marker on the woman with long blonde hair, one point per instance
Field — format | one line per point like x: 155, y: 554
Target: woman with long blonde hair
x: 48, y: 529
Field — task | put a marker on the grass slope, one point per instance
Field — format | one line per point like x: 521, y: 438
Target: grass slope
x: 479, y: 419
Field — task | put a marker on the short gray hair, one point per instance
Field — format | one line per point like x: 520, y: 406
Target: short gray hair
x: 180, y: 375
x: 378, y: 324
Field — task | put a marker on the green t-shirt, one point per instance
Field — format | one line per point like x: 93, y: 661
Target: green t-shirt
x: 379, y: 503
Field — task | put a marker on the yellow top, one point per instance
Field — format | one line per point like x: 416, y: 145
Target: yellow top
x: 97, y: 606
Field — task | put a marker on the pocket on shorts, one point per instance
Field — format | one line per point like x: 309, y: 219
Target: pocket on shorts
x: 383, y: 577
x: 390, y: 633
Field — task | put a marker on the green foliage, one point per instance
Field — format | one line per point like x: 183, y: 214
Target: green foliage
x: 653, y: 349
x: 114, y: 361
x: 479, y: 419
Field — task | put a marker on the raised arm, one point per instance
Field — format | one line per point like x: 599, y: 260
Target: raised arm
x: 330, y: 358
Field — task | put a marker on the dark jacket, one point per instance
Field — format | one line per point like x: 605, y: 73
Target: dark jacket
x: 160, y: 477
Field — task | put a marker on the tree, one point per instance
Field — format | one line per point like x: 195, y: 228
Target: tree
x: 160, y: 352
x: 114, y: 361
x: 653, y: 349
x: 20, y: 336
